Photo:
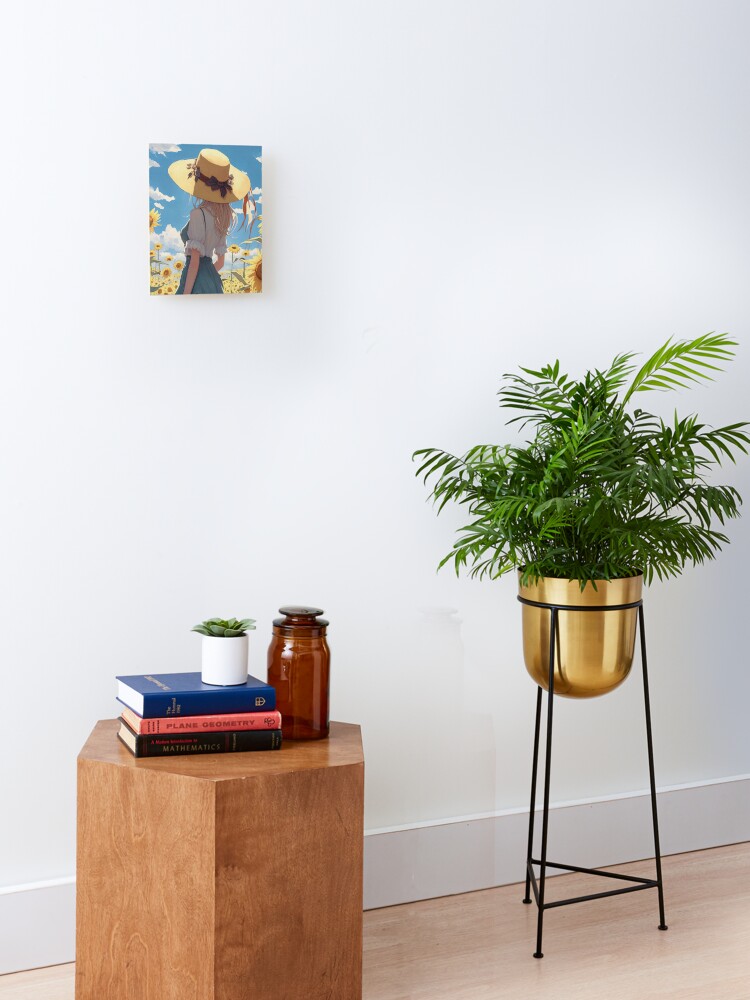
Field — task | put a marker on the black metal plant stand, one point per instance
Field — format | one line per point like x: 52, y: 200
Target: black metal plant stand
x: 544, y: 864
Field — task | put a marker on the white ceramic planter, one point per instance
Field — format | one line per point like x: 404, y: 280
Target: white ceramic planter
x: 224, y: 661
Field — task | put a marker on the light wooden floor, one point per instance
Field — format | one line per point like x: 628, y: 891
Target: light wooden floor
x: 479, y: 946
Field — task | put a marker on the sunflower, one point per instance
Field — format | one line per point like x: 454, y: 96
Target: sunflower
x: 153, y: 219
x: 152, y: 254
x: 157, y: 246
x: 178, y: 265
x: 166, y: 272
x: 234, y: 248
x: 168, y: 256
x: 255, y: 273
x: 160, y: 290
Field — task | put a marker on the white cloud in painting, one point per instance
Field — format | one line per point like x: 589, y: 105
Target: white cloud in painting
x: 161, y: 148
x: 259, y: 200
x: 257, y: 190
x: 259, y: 159
x: 156, y: 195
x: 170, y: 240
x: 152, y: 163
x: 158, y: 205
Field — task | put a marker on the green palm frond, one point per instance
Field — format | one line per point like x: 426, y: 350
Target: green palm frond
x: 617, y: 373
x: 599, y: 491
x: 677, y: 365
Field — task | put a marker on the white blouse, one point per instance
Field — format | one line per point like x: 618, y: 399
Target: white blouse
x: 203, y: 236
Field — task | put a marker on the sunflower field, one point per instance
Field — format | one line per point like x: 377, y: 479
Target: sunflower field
x: 243, y: 264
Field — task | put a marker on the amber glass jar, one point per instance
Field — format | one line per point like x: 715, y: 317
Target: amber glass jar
x: 299, y: 669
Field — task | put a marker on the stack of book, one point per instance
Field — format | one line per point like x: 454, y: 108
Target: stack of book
x: 170, y: 714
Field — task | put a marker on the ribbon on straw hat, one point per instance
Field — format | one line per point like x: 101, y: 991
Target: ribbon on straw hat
x: 211, y: 177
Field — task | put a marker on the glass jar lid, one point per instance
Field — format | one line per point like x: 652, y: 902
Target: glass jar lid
x: 300, y: 620
x: 300, y: 611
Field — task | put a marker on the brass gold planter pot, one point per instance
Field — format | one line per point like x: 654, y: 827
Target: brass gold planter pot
x: 588, y: 637
x: 593, y: 650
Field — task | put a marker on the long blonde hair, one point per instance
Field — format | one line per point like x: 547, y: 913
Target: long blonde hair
x: 223, y: 216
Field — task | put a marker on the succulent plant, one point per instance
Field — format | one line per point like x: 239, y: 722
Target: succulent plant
x: 228, y: 628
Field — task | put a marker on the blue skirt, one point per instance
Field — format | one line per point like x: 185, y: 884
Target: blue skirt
x: 207, y: 281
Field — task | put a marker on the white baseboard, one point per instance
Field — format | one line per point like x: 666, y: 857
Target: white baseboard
x: 37, y: 924
x: 441, y: 859
x: 405, y: 864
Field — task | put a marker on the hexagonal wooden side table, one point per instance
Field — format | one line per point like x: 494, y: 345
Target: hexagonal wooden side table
x: 222, y: 877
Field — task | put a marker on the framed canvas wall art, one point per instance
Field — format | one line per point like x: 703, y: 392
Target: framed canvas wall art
x: 205, y: 219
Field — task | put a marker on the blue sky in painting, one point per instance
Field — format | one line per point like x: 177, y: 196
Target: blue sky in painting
x: 174, y: 204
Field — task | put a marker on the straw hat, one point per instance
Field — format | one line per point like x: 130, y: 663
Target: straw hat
x: 210, y: 177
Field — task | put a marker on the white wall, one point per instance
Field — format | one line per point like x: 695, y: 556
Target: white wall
x: 451, y: 190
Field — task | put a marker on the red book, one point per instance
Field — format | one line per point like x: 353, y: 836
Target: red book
x: 174, y: 725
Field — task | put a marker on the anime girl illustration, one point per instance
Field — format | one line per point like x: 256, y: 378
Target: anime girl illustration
x: 222, y: 204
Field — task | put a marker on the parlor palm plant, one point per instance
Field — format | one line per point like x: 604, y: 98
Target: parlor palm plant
x: 604, y: 489
x: 604, y: 496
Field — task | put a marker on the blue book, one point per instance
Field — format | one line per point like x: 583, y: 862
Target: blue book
x: 155, y: 696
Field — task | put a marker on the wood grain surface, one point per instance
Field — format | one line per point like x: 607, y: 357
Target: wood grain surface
x: 478, y: 946
x: 289, y: 886
x: 343, y: 747
x: 145, y: 884
x: 216, y: 877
